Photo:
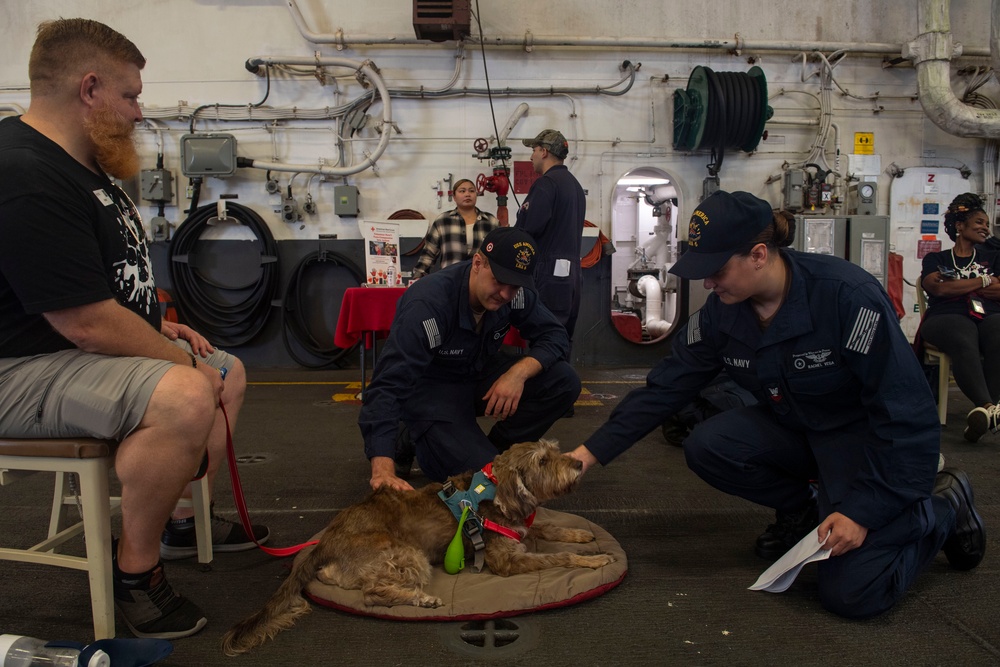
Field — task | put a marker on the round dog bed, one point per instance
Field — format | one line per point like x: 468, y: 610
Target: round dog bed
x: 484, y: 595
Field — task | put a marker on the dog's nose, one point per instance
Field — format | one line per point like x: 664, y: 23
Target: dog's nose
x: 577, y: 464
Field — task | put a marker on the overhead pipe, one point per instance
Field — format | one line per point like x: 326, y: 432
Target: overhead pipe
x: 528, y: 41
x: 254, y: 64
x: 931, y: 53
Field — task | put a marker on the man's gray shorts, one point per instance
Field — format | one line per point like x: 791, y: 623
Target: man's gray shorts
x: 74, y: 393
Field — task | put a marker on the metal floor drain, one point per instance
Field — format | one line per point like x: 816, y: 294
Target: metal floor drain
x: 497, y: 639
x: 248, y: 459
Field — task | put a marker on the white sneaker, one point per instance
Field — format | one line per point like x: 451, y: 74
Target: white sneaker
x: 981, y: 420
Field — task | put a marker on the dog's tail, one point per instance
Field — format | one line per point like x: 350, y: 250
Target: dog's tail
x: 280, y: 612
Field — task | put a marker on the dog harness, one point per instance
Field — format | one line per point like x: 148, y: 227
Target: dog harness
x: 482, y: 487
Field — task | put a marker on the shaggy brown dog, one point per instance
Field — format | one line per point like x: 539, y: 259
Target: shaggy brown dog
x: 386, y: 545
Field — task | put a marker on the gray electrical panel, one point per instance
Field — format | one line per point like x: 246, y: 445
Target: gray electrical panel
x: 868, y: 244
x: 208, y: 154
x: 156, y: 185
x: 861, y: 239
x: 825, y: 236
x: 345, y: 200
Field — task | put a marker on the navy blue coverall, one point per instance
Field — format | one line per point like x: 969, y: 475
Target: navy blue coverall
x: 436, y: 367
x: 842, y: 399
x: 553, y: 213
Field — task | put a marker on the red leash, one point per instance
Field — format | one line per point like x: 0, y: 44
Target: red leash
x: 241, y: 503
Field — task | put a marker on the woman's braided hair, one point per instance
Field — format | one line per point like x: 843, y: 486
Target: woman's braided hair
x: 959, y: 210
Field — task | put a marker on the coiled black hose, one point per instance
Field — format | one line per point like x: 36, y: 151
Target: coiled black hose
x: 734, y: 114
x: 294, y: 309
x: 225, y: 314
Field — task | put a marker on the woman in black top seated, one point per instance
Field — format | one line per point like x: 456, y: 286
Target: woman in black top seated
x: 963, y: 307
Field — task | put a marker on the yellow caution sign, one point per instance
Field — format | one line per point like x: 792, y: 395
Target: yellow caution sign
x: 864, y: 143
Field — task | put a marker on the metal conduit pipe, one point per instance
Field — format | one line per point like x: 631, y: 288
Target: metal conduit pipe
x: 255, y: 63
x: 528, y: 41
x: 931, y: 53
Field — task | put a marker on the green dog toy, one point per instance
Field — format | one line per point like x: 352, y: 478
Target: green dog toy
x: 454, y: 557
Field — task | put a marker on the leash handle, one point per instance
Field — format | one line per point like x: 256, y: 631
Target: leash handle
x: 241, y: 504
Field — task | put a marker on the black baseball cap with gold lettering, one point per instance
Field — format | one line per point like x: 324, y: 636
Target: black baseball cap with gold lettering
x: 722, y: 225
x: 511, y: 252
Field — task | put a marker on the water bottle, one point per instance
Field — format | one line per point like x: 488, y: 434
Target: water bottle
x: 20, y: 651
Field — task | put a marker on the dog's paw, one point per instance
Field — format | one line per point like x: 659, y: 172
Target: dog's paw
x: 427, y: 601
x: 597, y: 560
x: 577, y: 536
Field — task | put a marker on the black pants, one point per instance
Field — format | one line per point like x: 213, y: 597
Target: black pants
x: 452, y: 442
x: 974, y: 348
x: 745, y: 452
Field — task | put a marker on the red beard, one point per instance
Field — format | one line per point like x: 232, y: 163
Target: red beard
x: 113, y: 141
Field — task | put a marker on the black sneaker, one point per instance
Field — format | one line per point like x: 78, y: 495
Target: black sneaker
x: 788, y: 529
x: 981, y: 420
x: 179, y: 541
x: 151, y: 607
x: 966, y: 544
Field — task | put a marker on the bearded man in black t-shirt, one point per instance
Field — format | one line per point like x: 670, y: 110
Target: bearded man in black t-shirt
x: 83, y: 350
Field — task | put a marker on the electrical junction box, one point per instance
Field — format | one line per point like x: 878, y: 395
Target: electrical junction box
x: 345, y: 200
x: 793, y: 189
x: 208, y: 155
x: 156, y: 185
x: 861, y: 198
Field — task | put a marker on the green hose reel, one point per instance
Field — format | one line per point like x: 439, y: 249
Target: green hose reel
x: 721, y: 110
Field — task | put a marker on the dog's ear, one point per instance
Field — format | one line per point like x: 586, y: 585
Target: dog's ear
x: 513, y: 498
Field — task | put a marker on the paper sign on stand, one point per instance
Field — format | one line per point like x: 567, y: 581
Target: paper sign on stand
x: 381, y: 254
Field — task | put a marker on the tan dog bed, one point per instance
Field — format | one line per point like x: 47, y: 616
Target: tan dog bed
x: 475, y: 596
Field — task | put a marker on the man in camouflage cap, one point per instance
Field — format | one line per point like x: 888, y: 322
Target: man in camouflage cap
x: 553, y: 213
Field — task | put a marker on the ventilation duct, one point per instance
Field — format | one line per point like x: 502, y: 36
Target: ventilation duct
x: 441, y: 20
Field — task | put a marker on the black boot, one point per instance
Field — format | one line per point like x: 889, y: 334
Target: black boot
x: 966, y: 544
x: 787, y: 530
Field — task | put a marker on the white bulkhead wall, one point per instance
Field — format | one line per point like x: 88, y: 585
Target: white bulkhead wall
x: 196, y: 51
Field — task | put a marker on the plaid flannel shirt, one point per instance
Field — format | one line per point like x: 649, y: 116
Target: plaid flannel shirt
x: 445, y: 240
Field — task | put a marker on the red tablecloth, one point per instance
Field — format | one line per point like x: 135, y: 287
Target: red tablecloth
x: 365, y: 311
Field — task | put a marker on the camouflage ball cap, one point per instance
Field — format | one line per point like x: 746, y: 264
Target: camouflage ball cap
x: 720, y: 227
x: 511, y: 252
x: 551, y: 140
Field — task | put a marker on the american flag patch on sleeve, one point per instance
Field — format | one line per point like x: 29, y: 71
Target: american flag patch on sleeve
x: 433, y: 334
x: 863, y: 331
x: 694, y: 328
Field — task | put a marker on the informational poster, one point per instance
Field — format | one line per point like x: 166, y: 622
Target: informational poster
x: 382, y: 254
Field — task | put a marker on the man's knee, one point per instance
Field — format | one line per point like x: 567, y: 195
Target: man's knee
x: 183, y: 400
x: 564, y: 380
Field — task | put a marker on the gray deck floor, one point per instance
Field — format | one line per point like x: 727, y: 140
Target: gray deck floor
x: 684, y: 601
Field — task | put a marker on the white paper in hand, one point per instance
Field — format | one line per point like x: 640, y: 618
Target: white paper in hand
x: 780, y: 576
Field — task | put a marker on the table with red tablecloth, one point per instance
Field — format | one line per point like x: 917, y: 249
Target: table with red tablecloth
x: 366, y: 313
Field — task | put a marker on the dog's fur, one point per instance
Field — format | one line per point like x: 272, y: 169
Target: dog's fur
x: 386, y: 545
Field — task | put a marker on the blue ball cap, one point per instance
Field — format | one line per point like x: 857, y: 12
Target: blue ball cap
x: 722, y: 225
x: 511, y: 252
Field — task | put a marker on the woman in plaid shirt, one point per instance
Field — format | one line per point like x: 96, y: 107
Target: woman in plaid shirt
x: 456, y: 235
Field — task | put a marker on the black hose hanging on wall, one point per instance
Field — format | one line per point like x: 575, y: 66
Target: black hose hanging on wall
x: 720, y: 110
x: 294, y: 309
x: 227, y: 314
